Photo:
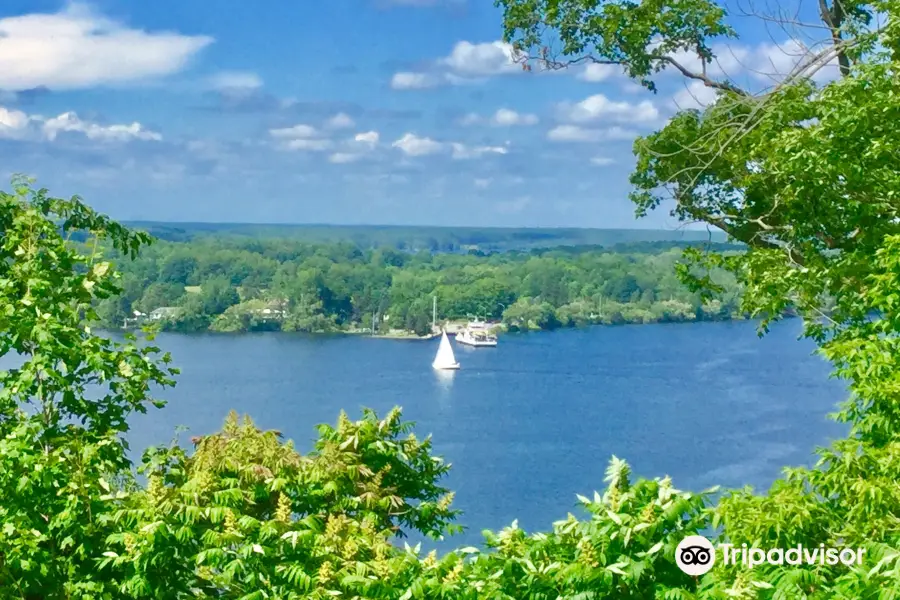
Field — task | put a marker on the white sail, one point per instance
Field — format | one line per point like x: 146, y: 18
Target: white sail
x: 445, y: 358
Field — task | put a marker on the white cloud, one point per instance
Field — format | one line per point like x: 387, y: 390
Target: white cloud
x: 369, y: 137
x: 301, y: 137
x: 70, y: 121
x: 595, y: 72
x: 413, y: 145
x: 504, y: 117
x: 341, y: 121
x: 482, y: 183
x: 343, y: 157
x: 481, y: 60
x: 467, y: 63
x: 575, y: 133
x: 776, y: 59
x: 600, y: 108
x: 414, y: 81
x: 694, y: 95
x: 297, y: 131
x: 235, y: 80
x: 463, y: 152
x: 602, y: 161
x: 13, y: 123
x: 313, y: 145
x: 356, y: 148
x: 619, y: 133
x: 76, y: 48
x: 771, y: 63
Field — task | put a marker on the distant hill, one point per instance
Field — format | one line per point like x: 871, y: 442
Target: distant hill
x: 438, y: 239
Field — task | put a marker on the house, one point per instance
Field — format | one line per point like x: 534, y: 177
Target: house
x: 273, y: 309
x: 134, y: 321
x: 165, y: 312
x: 267, y: 310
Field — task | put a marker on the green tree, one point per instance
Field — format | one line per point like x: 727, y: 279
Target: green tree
x: 63, y: 412
x: 160, y: 294
x: 217, y: 295
x: 178, y: 268
x: 191, y: 317
x: 113, y: 311
x: 418, y: 318
x: 309, y: 317
x: 246, y: 514
x: 527, y: 313
x: 546, y: 279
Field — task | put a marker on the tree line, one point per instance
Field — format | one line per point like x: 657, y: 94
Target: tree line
x: 230, y: 284
x: 414, y: 238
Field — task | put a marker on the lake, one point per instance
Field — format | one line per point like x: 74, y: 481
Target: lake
x: 531, y: 423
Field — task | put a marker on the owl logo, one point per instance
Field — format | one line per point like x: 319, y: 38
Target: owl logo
x: 695, y: 555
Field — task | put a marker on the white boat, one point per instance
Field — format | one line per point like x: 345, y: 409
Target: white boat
x: 478, y: 334
x: 445, y: 359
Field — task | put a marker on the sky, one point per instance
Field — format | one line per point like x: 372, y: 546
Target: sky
x: 346, y: 111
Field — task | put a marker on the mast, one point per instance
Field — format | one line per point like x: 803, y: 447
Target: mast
x: 433, y: 313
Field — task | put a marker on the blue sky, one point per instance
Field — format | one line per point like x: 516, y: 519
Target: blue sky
x: 345, y: 111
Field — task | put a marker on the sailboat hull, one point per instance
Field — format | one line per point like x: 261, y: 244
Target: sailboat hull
x: 453, y: 367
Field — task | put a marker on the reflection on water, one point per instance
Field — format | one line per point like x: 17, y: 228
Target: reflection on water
x: 444, y: 379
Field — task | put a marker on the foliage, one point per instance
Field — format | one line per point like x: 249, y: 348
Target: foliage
x: 64, y: 409
x: 321, y: 288
x: 246, y: 515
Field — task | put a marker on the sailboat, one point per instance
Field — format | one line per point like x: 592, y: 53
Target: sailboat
x: 445, y: 360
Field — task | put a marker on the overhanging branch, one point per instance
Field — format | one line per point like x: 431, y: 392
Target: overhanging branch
x: 707, y: 81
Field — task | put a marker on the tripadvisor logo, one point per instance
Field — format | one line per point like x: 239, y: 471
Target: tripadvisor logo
x: 695, y: 555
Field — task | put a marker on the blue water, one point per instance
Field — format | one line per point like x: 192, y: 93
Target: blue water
x: 535, y: 421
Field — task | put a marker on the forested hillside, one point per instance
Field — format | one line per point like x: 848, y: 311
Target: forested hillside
x: 235, y: 284
x: 435, y: 239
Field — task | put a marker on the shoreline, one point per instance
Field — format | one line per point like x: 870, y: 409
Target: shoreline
x: 410, y: 336
x: 392, y: 336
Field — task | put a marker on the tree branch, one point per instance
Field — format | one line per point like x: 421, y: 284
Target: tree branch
x: 754, y: 240
x: 550, y: 64
x: 708, y: 82
x: 834, y: 18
